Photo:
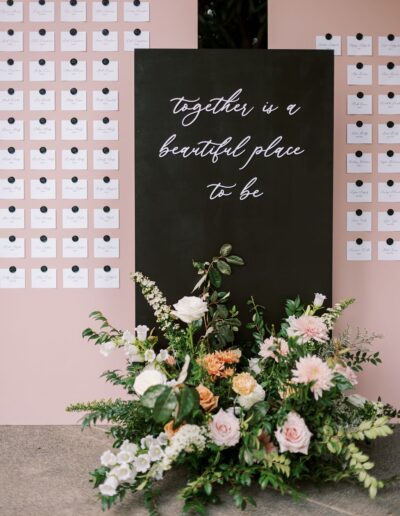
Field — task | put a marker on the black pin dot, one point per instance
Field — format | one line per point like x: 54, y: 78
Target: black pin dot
x: 43, y: 180
x: 10, y: 3
x: 43, y: 268
x: 11, y: 150
x: 105, y: 61
x: 105, y: 2
x: 75, y: 268
x: 73, y: 2
x: 73, y: 32
x: 74, y: 179
x: 42, y: 91
x: 11, y: 180
x: 390, y: 182
x: 137, y: 32
x: 74, y: 150
x: 359, y: 123
x: 390, y: 212
x: 73, y: 61
x: 75, y: 238
x: 390, y: 241
x: 42, y: 32
x: 359, y: 183
x: 11, y: 120
x: 105, y: 32
x: 43, y: 209
x: 359, y: 241
x: 106, y: 209
x: 42, y: 121
x: 359, y: 213
x: 105, y: 91
x: 390, y: 66
x: 106, y: 179
x: 74, y: 120
x: 43, y: 239
x: 359, y: 66
x: 107, y: 268
x: 137, y: 3
x: 42, y: 150
x: 106, y: 150
x: 75, y: 209
x: 42, y: 2
x: 42, y: 62
x: 10, y: 32
x: 11, y: 91
x: 360, y: 95
x: 390, y: 37
x: 10, y: 62
x: 106, y: 238
x: 391, y: 95
x: 12, y: 238
x: 390, y: 153
x: 390, y: 125
x: 359, y: 154
x: 11, y: 209
x: 106, y: 120
x: 359, y: 36
x: 73, y: 91
x: 12, y: 269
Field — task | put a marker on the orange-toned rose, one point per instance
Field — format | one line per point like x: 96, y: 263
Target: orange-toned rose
x: 243, y: 384
x: 170, y: 430
x: 208, y: 401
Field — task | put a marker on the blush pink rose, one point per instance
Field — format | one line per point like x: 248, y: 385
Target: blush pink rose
x: 306, y: 328
x: 293, y: 436
x: 225, y: 429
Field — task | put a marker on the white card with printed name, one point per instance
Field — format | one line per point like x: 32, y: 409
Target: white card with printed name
x: 107, y: 219
x: 359, y: 105
x: 359, y: 163
x: 11, y: 129
x: 139, y: 40
x: 41, y: 41
x: 12, y: 247
x: 74, y: 159
x: 73, y: 70
x: 73, y: 101
x: 73, y: 40
x: 105, y: 70
x: 329, y: 42
x: 43, y: 159
x: 359, y: 135
x: 137, y: 11
x: 12, y: 12
x: 359, y: 220
x: 388, y: 75
x: 388, y: 250
x: 74, y: 129
x: 11, y: 100
x: 359, y: 251
x: 106, y: 247
x: 389, y: 133
x: 43, y: 188
x: 105, y: 100
x: 42, y: 70
x: 42, y: 100
x: 41, y: 12
x: 105, y: 159
x: 105, y: 129
x: 44, y: 278
x: 359, y: 192
x: 11, y: 159
x: 389, y: 162
x: 74, y: 188
x: 389, y: 104
x: 360, y: 76
x: 73, y: 12
x: 75, y: 247
x: 78, y: 279
x: 389, y: 220
x: 105, y: 41
x: 105, y: 12
x: 11, y: 41
x: 12, y: 218
x: 106, y: 277
x: 105, y: 189
x: 359, y: 45
x: 12, y: 279
x: 43, y: 218
x: 74, y: 219
x: 42, y: 129
x: 11, y: 188
x: 389, y: 191
x: 389, y: 45
x: 11, y: 71
x: 43, y: 247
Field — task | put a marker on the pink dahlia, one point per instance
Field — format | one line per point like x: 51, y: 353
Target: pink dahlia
x: 313, y: 369
x: 273, y: 347
x: 306, y: 328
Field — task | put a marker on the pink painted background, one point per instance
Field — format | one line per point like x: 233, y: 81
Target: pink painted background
x: 375, y: 284
x: 44, y: 363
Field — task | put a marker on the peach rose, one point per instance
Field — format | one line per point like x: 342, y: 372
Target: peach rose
x: 243, y: 384
x: 208, y: 401
x: 170, y: 430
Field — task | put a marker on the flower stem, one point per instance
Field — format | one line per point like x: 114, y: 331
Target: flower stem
x: 191, y: 338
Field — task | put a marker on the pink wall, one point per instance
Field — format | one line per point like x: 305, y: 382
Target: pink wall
x: 44, y: 363
x: 375, y: 284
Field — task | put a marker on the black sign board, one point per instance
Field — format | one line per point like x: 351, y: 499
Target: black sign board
x: 235, y: 146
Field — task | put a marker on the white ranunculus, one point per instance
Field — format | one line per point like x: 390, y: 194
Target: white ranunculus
x: 108, y: 459
x: 109, y: 487
x: 319, y: 300
x: 141, y: 332
x: 148, y: 378
x: 107, y: 348
x: 190, y: 309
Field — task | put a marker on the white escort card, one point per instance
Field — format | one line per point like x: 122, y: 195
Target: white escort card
x: 11, y: 71
x: 106, y: 247
x: 73, y: 40
x: 139, y: 11
x: 359, y: 162
x: 43, y: 159
x: 388, y: 250
x: 75, y: 247
x: 359, y: 133
x: 73, y: 100
x: 136, y: 38
x: 389, y: 74
x: 107, y: 277
x: 359, y: 250
x: 389, y: 45
x: 11, y: 159
x: 105, y: 159
x: 359, y: 74
x: 40, y: 11
x: 74, y: 188
x: 42, y: 70
x: 389, y: 162
x: 74, y: 129
x: 107, y: 218
x: 74, y: 159
x: 389, y: 104
x: 11, y: 100
x: 12, y: 247
x: 105, y: 11
x: 105, y: 129
x: 105, y: 41
x: 106, y: 188
x: 43, y: 188
x: 11, y: 188
x: 359, y: 45
x: 73, y: 11
x: 12, y: 218
x: 11, y: 129
x: 75, y: 217
x: 43, y: 218
x: 389, y: 191
x: 42, y: 100
x: 73, y: 70
x: 359, y: 104
x: 105, y: 100
x: 42, y: 129
x: 359, y: 220
x: 389, y: 220
x: 12, y: 277
x: 359, y: 191
x: 389, y: 133
x: 105, y: 70
x: 11, y: 12
x: 44, y: 277
x: 11, y: 41
x: 75, y: 277
x: 43, y: 247
x: 41, y: 41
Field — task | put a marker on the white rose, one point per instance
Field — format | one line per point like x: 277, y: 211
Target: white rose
x: 107, y: 348
x: 190, y: 309
x: 141, y: 332
x: 148, y: 378
x: 109, y: 488
x: 319, y: 300
x: 247, y: 401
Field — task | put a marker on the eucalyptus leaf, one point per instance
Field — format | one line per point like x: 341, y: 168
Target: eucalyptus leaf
x: 225, y: 250
x: 224, y: 268
x: 235, y: 260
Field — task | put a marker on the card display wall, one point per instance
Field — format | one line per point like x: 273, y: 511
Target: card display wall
x: 365, y: 38
x: 67, y: 186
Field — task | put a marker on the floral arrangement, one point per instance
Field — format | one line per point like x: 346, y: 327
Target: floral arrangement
x: 272, y: 410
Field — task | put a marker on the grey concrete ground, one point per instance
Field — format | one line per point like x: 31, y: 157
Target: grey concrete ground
x: 43, y: 472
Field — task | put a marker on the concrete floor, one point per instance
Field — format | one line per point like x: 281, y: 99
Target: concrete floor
x: 44, y: 472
